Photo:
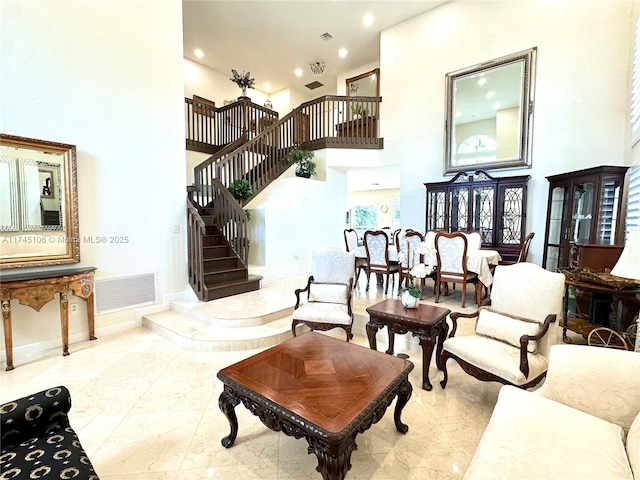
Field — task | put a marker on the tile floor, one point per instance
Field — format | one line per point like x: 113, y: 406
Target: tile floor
x: 146, y: 409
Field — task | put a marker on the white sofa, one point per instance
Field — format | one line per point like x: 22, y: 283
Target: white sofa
x: 583, y: 423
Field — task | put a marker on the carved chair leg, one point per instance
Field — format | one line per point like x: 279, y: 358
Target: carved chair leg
x: 443, y: 363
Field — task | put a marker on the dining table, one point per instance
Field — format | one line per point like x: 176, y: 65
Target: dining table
x: 478, y: 261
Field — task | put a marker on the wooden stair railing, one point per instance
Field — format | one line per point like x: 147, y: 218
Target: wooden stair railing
x: 258, y: 153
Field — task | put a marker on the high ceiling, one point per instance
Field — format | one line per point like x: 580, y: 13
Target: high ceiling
x: 271, y: 39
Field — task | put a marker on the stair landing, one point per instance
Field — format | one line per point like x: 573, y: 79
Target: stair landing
x: 246, y: 321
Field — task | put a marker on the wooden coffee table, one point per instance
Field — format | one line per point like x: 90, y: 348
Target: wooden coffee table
x: 318, y: 388
x: 425, y: 322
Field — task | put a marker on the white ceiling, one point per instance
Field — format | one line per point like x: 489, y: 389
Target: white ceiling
x: 271, y: 39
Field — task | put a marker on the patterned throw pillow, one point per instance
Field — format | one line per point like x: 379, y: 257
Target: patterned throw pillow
x: 506, y: 328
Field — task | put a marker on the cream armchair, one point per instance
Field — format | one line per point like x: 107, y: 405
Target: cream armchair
x: 325, y: 303
x: 514, y: 331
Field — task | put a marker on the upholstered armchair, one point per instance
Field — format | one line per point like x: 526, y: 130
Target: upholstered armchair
x: 37, y: 440
x: 514, y: 330
x: 325, y: 303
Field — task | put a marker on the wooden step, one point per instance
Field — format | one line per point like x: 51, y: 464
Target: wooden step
x: 215, y: 291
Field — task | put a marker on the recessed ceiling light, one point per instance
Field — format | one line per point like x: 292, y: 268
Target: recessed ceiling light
x: 342, y: 52
x: 496, y: 106
x: 198, y: 53
x: 266, y: 85
x: 490, y: 94
x: 367, y: 19
x: 298, y: 72
x: 482, y: 81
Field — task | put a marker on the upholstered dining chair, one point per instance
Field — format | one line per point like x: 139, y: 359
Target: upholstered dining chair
x: 376, y: 244
x: 409, y: 246
x: 474, y: 240
x: 451, y: 254
x: 325, y: 303
x: 514, y: 330
x: 351, y: 242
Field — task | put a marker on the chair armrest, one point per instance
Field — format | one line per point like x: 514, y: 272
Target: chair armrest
x: 34, y: 415
x: 300, y: 290
x: 454, y: 320
x: 525, y: 339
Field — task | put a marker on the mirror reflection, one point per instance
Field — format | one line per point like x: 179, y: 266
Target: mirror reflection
x: 489, y: 112
x: 38, y: 209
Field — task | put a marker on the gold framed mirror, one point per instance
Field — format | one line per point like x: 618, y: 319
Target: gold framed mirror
x: 364, y: 85
x: 39, y: 203
x: 489, y: 114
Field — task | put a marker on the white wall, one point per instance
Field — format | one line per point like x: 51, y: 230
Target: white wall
x: 581, y: 93
x: 108, y: 78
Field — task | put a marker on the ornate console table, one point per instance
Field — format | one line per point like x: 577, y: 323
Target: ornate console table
x: 36, y: 289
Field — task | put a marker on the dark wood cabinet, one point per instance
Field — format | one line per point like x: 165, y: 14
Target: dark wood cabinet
x: 495, y: 207
x: 595, y: 257
x: 584, y: 207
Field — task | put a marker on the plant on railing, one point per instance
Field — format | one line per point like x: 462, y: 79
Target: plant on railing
x: 241, y: 190
x: 359, y: 110
x: 244, y: 81
x: 305, y: 166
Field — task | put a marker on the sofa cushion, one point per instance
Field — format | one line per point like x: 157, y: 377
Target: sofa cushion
x: 328, y: 292
x: 494, y: 357
x: 633, y: 446
x: 506, y: 328
x: 532, y: 437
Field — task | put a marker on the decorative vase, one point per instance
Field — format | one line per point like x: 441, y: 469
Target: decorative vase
x: 244, y: 91
x: 408, y: 300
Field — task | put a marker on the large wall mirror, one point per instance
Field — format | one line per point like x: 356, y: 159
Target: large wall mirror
x: 38, y: 203
x: 489, y: 114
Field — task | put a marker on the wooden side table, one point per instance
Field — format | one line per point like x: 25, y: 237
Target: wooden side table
x: 36, y: 289
x: 425, y: 322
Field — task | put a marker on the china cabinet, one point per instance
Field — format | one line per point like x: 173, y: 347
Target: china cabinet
x: 584, y: 207
x: 495, y: 207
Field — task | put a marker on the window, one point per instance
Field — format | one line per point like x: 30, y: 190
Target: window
x: 365, y: 217
x: 635, y: 88
x: 633, y: 200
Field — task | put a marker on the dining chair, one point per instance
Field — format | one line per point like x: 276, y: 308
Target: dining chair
x: 325, y: 302
x: 524, y: 251
x: 451, y: 255
x: 474, y: 240
x: 351, y: 242
x: 409, y: 246
x: 376, y: 244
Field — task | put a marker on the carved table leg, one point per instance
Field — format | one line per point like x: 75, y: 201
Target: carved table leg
x: 227, y: 403
x: 392, y: 341
x: 404, y: 394
x: 8, y: 335
x: 64, y: 322
x: 371, y: 335
x: 91, y: 318
x: 442, y: 335
x: 427, y: 342
x: 333, y: 461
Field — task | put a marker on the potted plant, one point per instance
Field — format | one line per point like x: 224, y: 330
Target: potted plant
x: 305, y: 166
x: 241, y: 190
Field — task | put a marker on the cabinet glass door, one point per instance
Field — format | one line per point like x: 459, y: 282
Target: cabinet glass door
x: 609, y: 200
x: 582, y: 216
x: 483, y: 202
x: 459, y: 208
x: 436, y: 208
x: 556, y: 227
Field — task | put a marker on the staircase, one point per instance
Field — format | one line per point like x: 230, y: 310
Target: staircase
x: 251, y: 143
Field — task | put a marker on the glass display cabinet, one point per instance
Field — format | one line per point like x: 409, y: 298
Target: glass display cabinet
x: 495, y: 207
x: 584, y: 207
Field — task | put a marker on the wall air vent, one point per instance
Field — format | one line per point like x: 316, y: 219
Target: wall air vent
x: 125, y: 292
x: 314, y: 85
x: 326, y: 36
